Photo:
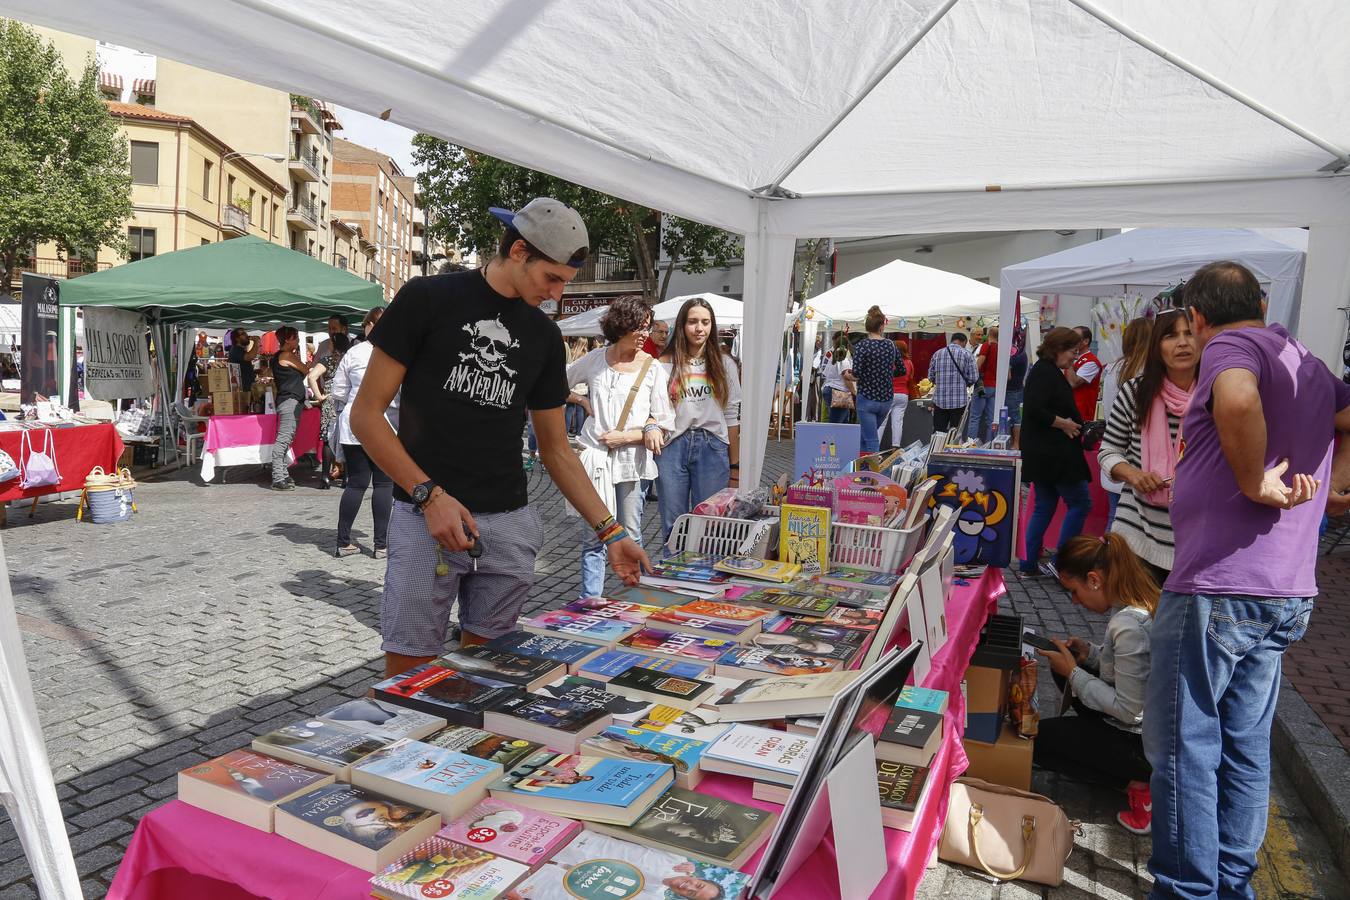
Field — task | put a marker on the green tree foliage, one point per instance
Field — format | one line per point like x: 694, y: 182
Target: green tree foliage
x: 458, y: 186
x: 64, y: 164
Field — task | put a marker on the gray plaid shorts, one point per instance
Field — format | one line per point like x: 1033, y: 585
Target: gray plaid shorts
x: 415, y: 612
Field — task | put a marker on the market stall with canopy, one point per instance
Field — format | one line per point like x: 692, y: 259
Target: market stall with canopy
x: 729, y: 312
x: 797, y: 121
x: 239, y: 282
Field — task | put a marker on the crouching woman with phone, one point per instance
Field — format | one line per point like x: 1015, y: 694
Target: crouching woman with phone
x: 1102, y: 743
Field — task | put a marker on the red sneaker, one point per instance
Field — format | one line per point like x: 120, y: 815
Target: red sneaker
x: 1138, y: 819
x: 1140, y: 796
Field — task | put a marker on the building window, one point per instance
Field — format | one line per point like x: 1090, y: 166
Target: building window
x: 142, y: 241
x: 252, y: 196
x: 144, y: 162
x: 206, y: 179
x: 205, y: 242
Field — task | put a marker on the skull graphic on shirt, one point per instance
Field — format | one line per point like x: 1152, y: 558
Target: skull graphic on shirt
x: 489, y: 342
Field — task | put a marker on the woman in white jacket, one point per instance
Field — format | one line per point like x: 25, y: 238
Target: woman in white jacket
x: 630, y: 418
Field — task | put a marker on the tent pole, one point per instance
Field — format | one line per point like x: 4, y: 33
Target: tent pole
x: 1341, y: 156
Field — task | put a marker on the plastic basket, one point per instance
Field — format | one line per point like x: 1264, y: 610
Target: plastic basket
x: 872, y: 547
x: 716, y: 536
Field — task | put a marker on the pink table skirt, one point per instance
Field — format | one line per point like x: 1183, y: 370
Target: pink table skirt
x: 247, y: 440
x: 180, y: 851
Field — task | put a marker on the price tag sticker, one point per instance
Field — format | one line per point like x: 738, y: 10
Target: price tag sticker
x: 438, y: 888
x: 482, y: 835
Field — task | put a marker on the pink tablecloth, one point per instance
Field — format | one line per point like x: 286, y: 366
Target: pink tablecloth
x: 179, y: 851
x: 247, y: 440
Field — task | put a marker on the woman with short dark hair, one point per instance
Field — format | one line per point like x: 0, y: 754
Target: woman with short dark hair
x: 1052, y: 454
x: 288, y: 372
x: 630, y: 415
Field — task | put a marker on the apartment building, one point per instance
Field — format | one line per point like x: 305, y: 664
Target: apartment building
x: 370, y: 190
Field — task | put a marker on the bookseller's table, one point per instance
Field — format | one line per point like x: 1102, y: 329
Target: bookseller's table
x: 180, y: 851
x: 245, y: 440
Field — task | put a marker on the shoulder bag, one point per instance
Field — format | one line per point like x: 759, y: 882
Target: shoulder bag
x: 1006, y: 833
x: 37, y: 468
x: 632, y: 394
x: 976, y: 384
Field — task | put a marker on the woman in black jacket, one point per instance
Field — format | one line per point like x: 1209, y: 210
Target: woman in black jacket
x: 1052, y: 455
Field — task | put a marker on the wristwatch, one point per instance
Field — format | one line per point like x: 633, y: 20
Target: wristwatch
x: 422, y: 493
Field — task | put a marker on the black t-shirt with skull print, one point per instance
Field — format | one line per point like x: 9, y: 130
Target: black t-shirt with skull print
x: 476, y: 361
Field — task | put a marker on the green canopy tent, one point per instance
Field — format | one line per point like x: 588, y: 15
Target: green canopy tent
x: 243, y: 281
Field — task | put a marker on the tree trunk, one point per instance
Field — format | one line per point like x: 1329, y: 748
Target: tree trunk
x: 646, y: 269
x: 665, y: 280
x: 7, y: 262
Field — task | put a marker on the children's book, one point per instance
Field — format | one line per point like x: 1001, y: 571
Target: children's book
x: 804, y: 536
x: 759, y: 569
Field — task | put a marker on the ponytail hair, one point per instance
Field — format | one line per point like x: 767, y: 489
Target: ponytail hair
x: 1126, y: 581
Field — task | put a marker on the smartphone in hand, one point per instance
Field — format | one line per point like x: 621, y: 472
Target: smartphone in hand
x: 1040, y: 642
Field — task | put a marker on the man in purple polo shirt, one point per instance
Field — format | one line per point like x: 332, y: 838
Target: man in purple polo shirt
x: 1256, y: 447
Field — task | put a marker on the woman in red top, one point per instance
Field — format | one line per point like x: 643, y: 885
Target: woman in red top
x: 900, y: 388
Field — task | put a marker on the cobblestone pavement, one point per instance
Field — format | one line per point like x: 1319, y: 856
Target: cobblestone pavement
x: 1318, y: 666
x: 220, y: 613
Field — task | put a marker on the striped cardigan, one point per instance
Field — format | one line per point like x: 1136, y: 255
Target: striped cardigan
x: 1147, y: 529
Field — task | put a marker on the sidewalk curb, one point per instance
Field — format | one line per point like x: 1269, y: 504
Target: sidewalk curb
x: 1318, y: 764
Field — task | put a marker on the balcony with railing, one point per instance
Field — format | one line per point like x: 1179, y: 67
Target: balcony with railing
x: 301, y: 214
x: 305, y: 117
x: 605, y: 274
x: 339, y: 260
x: 304, y: 165
x: 49, y: 267
x: 234, y: 220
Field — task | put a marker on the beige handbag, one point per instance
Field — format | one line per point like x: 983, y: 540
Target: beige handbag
x: 1007, y: 833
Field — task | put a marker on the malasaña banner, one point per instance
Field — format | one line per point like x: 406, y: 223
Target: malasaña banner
x: 116, y: 355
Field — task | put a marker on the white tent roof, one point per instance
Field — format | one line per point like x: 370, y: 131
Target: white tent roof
x: 906, y: 290
x: 729, y: 313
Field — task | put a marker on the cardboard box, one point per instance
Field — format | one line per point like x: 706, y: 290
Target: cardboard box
x: 986, y: 701
x: 1007, y: 761
x: 228, y: 403
x: 222, y: 377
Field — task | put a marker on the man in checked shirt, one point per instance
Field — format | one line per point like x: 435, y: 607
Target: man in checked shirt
x: 952, y: 371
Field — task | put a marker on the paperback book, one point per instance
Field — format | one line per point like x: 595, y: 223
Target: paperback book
x: 923, y: 699
x: 556, y: 722
x: 445, y: 870
x: 756, y: 662
x: 463, y: 697
x: 651, y: 686
x: 484, y: 745
x: 901, y: 788
x: 246, y: 786
x: 844, y: 596
x: 354, y: 825
x: 829, y: 643
x: 326, y: 746
x: 700, y: 827
x: 910, y: 736
x: 571, y: 653
x: 820, y: 628
x: 677, y: 619
x: 759, y: 569
x: 398, y: 688
x: 527, y: 672
x: 612, y: 609
x: 514, y: 832
x: 650, y: 596
x: 580, y: 627
x: 655, y: 640
x: 699, y: 725
x: 592, y: 788
x: 804, y: 536
x: 681, y: 753
x: 689, y: 574
x: 446, y: 781
x: 865, y: 620
x: 722, y: 611
x: 600, y: 866
x: 787, y: 601
x: 583, y: 691
x: 765, y: 754
x: 761, y: 699
x: 616, y: 662
x: 859, y: 578
x: 691, y: 558
x: 383, y: 719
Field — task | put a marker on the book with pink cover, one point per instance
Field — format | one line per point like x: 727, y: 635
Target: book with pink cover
x: 602, y: 607
x: 654, y: 640
x: 511, y: 831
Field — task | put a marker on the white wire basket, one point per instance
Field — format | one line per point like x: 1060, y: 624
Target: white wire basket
x: 717, y: 536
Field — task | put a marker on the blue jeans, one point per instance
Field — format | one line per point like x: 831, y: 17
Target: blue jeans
x: 981, y: 415
x: 1077, y: 505
x: 693, y: 467
x: 1013, y: 400
x: 1112, y: 501
x: 628, y: 500
x: 836, y: 416
x: 575, y: 417
x: 1213, y: 684
x: 871, y: 416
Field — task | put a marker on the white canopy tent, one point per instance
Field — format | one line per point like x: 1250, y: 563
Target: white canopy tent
x: 729, y: 313
x: 802, y: 121
x: 1157, y: 258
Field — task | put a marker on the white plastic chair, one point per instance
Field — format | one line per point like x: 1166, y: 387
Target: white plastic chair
x: 188, y: 418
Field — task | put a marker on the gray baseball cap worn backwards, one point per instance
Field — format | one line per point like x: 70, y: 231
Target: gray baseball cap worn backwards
x: 552, y: 226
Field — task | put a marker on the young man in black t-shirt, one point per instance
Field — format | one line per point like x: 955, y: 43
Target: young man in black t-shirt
x: 472, y: 352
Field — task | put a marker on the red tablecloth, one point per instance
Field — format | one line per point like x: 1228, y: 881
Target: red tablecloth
x: 76, y: 449
x: 179, y: 851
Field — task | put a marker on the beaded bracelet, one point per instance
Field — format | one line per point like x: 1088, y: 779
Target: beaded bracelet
x: 614, y: 535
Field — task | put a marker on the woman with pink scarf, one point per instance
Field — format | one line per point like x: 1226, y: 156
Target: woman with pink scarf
x: 1140, y: 447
